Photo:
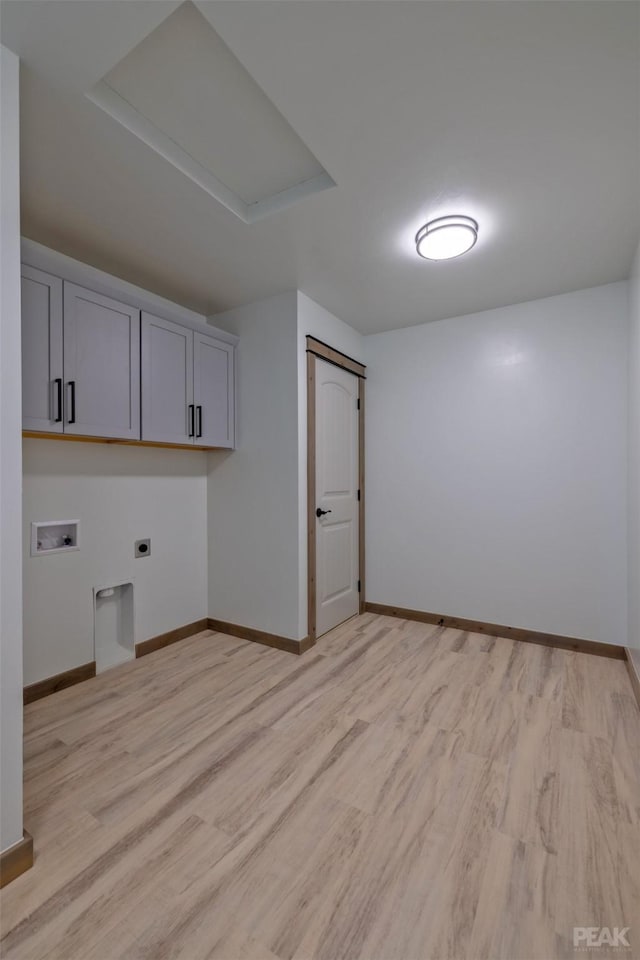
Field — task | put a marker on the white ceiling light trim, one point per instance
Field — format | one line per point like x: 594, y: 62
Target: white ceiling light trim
x: 446, y: 237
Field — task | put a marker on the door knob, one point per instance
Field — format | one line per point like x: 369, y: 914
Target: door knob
x: 321, y: 513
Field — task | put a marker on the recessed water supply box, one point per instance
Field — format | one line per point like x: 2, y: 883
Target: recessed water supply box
x: 54, y: 536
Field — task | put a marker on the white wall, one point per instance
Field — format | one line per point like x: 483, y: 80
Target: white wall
x: 634, y: 460
x: 120, y: 494
x: 314, y: 321
x: 253, y: 492
x: 10, y: 459
x: 496, y: 465
x: 257, y: 498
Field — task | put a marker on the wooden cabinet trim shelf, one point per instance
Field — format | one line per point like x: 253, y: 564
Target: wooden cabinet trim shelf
x: 74, y: 438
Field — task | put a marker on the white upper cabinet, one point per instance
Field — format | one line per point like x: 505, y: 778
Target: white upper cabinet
x: 213, y: 391
x: 187, y: 385
x: 42, y: 393
x: 168, y: 414
x: 101, y: 365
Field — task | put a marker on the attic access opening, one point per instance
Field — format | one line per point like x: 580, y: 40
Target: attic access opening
x: 183, y: 92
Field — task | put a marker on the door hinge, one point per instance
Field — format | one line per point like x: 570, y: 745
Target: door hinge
x: 358, y: 586
x: 358, y: 494
x: 358, y: 403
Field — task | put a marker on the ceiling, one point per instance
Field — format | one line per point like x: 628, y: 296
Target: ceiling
x: 185, y: 94
x: 524, y: 115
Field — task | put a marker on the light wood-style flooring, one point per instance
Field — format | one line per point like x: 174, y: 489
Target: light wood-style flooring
x: 400, y: 792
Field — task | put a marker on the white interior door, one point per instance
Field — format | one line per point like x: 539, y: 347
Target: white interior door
x: 337, y: 575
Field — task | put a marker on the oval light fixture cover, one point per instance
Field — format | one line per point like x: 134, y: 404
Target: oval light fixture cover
x: 446, y: 237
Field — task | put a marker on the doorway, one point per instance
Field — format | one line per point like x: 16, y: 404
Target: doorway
x: 335, y: 487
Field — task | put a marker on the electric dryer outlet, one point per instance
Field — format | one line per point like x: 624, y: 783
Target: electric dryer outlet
x: 142, y: 548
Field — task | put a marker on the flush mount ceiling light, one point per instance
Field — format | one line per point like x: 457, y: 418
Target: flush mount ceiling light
x: 446, y: 237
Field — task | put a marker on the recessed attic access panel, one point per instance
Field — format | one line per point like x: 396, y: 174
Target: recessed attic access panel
x: 185, y: 94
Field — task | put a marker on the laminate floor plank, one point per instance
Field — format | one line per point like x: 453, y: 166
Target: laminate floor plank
x: 516, y: 910
x: 590, y: 857
x: 403, y: 791
x: 589, y: 691
x: 530, y: 812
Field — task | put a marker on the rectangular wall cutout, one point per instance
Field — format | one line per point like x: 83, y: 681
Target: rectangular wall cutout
x: 54, y: 536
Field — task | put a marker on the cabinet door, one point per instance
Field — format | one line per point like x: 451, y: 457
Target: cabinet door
x: 41, y: 351
x: 167, y: 381
x: 213, y: 390
x: 101, y: 365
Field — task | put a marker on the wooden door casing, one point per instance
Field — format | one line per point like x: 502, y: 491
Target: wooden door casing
x: 316, y: 349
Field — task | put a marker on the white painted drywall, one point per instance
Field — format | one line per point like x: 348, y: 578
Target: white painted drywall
x: 10, y: 459
x: 496, y: 465
x: 314, y: 321
x: 120, y: 494
x: 257, y: 496
x: 634, y: 460
x: 253, y: 492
